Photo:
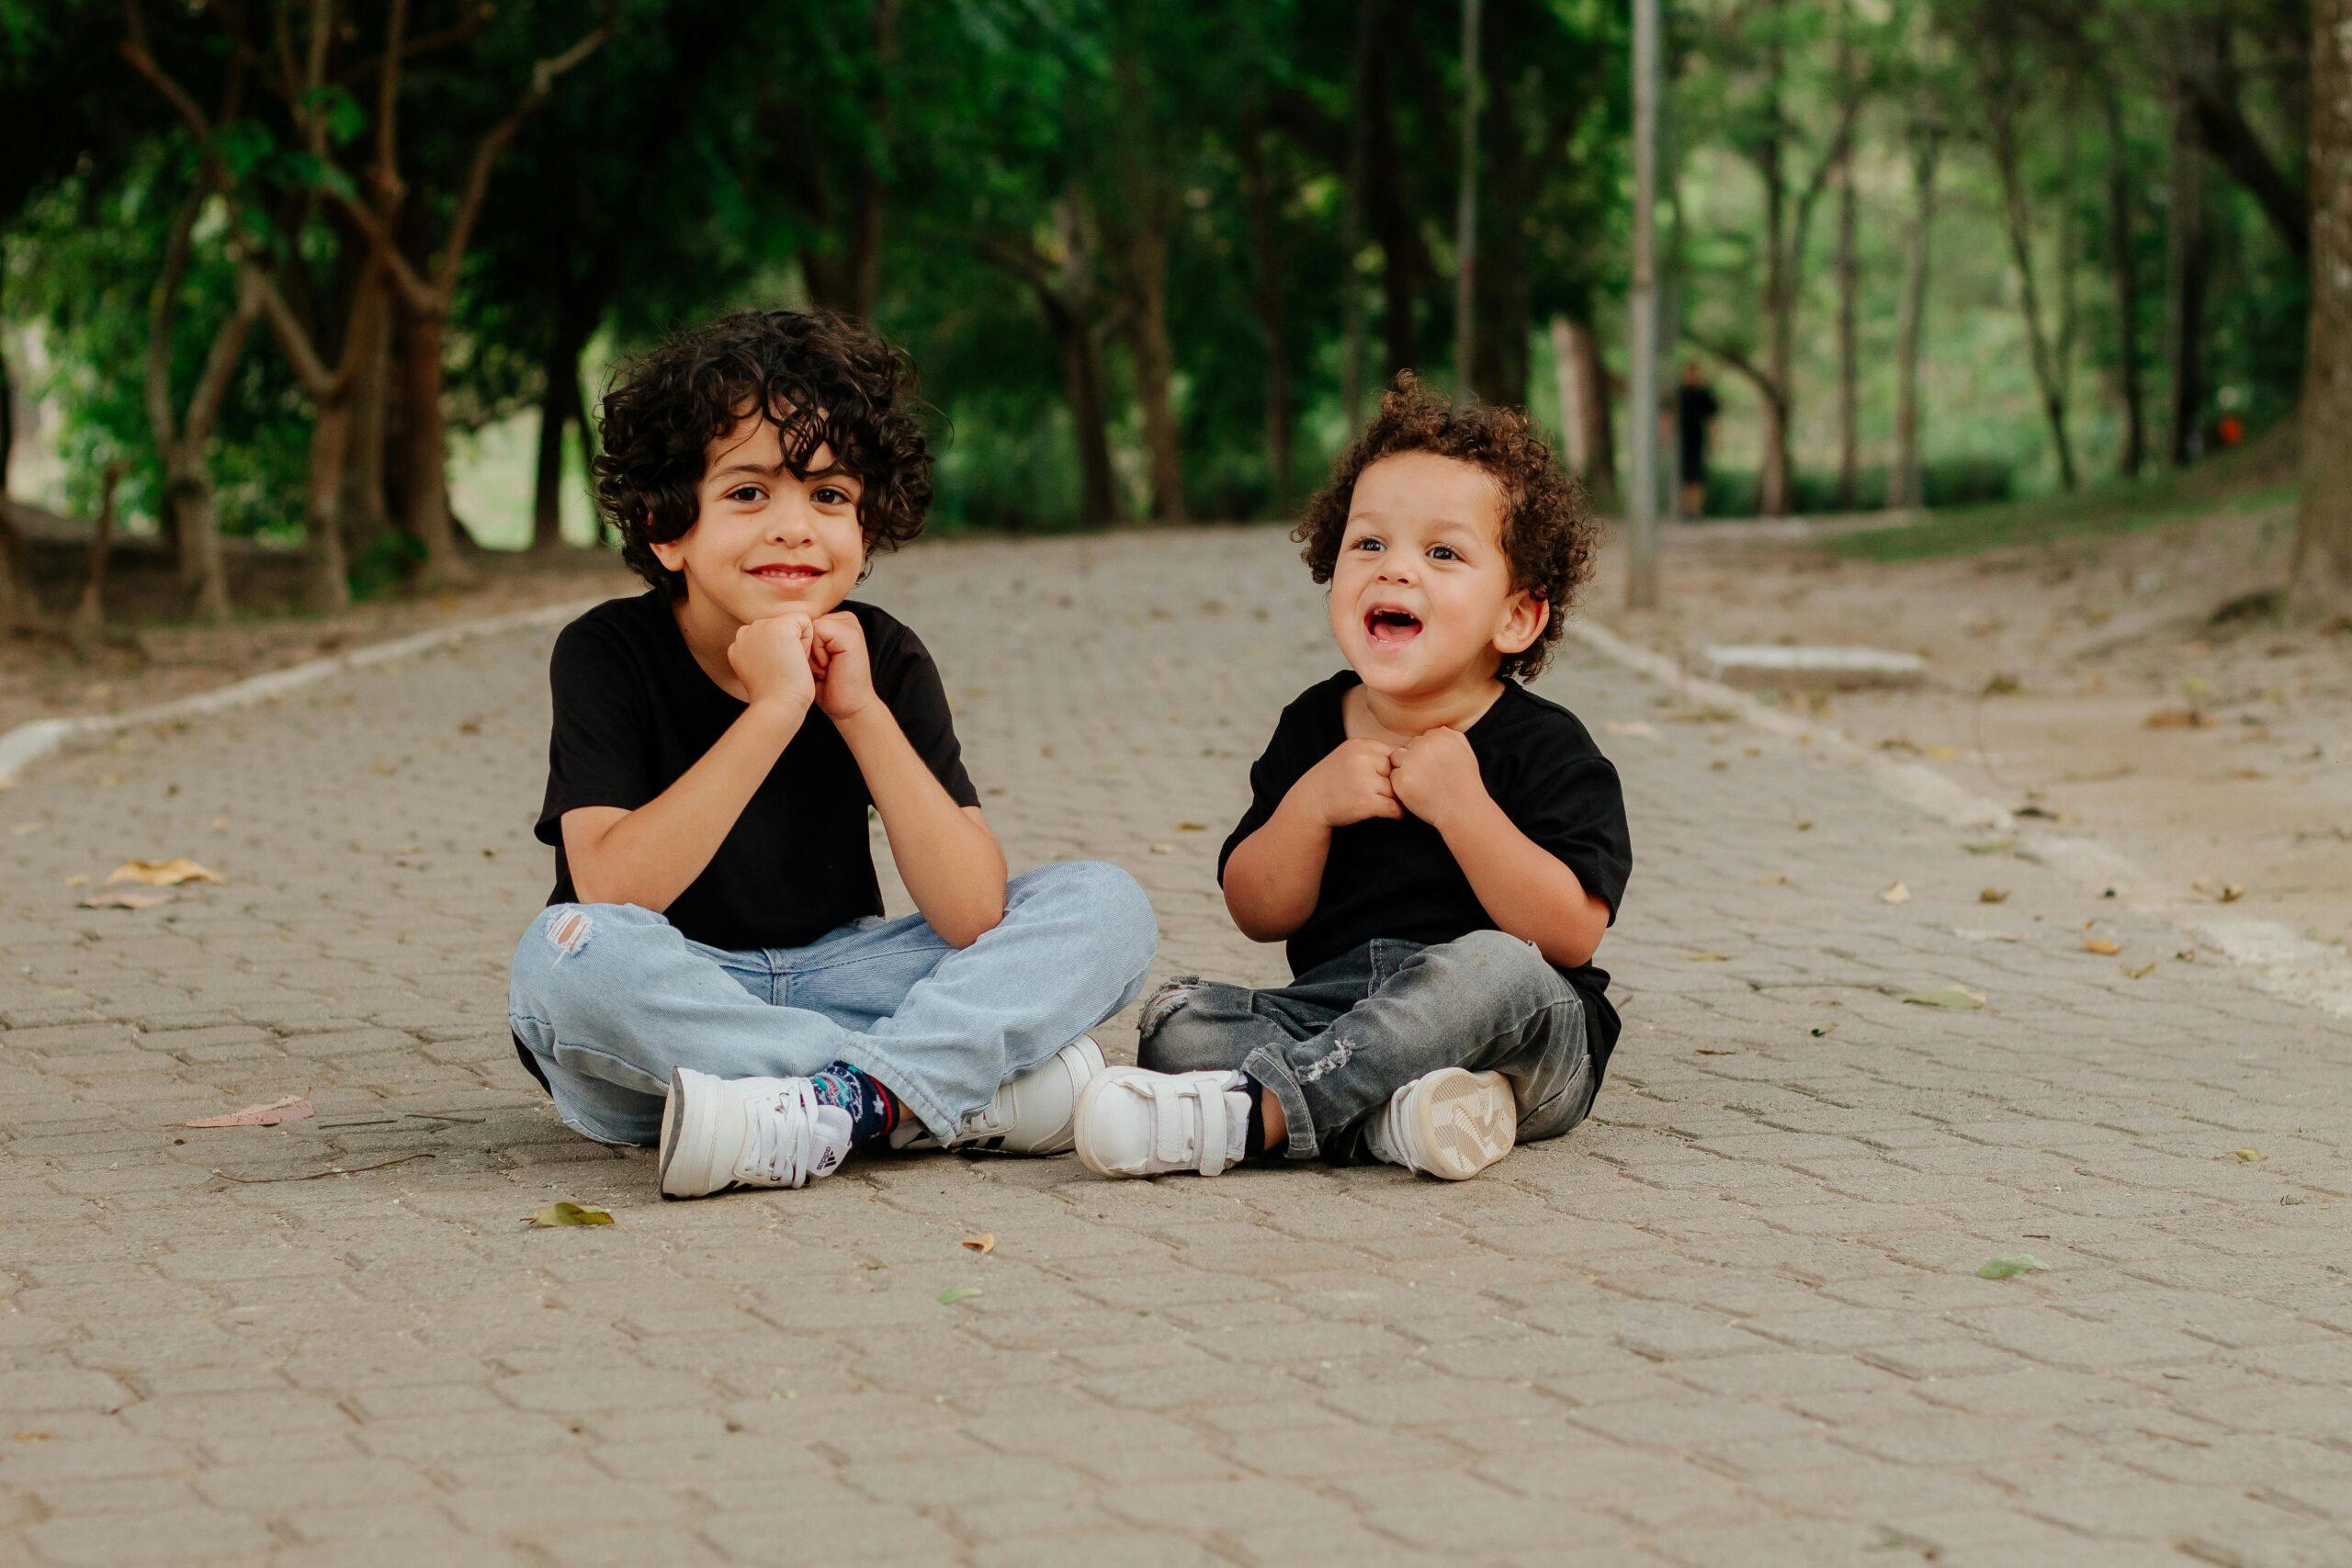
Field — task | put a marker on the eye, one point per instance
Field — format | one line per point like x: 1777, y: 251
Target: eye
x: 1367, y: 543
x: 1442, y: 552
x: 833, y: 495
x: 746, y: 495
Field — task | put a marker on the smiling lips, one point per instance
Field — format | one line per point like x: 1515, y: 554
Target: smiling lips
x: 788, y: 574
x: 1385, y: 627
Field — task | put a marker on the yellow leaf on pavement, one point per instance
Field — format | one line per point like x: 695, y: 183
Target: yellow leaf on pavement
x: 161, y: 873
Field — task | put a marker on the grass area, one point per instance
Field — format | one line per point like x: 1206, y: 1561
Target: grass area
x: 2253, y: 480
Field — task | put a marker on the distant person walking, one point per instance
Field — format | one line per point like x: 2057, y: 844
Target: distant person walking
x: 1694, y: 410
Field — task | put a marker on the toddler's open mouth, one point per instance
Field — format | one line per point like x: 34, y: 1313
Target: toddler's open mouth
x: 1391, y: 629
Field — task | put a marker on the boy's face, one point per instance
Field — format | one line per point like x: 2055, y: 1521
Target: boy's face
x: 765, y: 540
x: 1421, y: 596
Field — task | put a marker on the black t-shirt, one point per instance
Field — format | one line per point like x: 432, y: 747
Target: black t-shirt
x: 1397, y: 879
x: 1694, y: 409
x: 633, y: 710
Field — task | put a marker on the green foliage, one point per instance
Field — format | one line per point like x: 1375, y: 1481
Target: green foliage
x: 1012, y: 160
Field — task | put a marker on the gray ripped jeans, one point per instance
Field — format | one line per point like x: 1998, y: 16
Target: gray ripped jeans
x: 1336, y: 1041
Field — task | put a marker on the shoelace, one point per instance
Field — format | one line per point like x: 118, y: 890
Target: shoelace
x: 781, y: 1136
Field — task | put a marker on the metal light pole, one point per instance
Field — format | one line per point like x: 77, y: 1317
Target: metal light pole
x: 1641, y: 311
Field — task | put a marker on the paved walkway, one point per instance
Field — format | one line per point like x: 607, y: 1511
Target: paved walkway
x: 1736, y: 1319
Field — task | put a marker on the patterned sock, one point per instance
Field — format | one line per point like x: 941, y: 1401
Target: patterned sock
x: 873, y: 1109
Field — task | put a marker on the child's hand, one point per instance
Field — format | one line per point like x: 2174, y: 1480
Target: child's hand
x: 771, y: 658
x: 837, y: 657
x: 1351, y: 785
x: 1436, y: 773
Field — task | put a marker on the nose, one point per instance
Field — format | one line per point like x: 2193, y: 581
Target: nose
x: 790, y: 521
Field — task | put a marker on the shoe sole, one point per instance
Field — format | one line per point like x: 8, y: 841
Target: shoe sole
x: 674, y: 1121
x: 1464, y: 1122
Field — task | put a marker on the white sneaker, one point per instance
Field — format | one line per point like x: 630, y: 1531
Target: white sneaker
x: 721, y: 1132
x: 1033, y: 1113
x: 1451, y: 1123
x: 1132, y: 1122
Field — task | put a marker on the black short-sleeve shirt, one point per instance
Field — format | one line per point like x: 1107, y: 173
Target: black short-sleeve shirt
x: 1397, y: 879
x: 633, y: 710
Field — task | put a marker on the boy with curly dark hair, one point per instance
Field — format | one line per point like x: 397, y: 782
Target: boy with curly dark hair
x: 1440, y: 848
x: 712, y: 971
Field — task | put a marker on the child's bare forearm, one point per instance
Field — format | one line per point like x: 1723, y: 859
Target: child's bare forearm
x: 1530, y: 893
x: 1274, y: 877
x: 651, y: 855
x: 949, y: 860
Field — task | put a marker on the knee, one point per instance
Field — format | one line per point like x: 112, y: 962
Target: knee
x: 1182, y: 1030
x: 1499, y: 957
x: 1117, y: 911
x: 554, y: 959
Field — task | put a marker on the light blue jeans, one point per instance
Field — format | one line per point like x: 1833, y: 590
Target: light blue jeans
x: 608, y: 997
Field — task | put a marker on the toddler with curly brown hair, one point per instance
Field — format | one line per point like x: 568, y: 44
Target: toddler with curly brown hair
x: 1440, y: 848
x: 712, y: 972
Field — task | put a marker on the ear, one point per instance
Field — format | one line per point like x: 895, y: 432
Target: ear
x: 670, y: 553
x: 1524, y: 618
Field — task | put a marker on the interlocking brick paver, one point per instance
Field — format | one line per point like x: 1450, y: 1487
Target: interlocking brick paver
x: 1736, y: 1319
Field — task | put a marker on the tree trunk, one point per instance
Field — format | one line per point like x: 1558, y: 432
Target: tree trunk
x: 1584, y: 406
x: 1465, y: 220
x: 2008, y: 160
x: 367, y: 513
x: 2186, y: 258
x: 1144, y: 263
x: 1773, y: 486
x: 2126, y: 270
x: 2321, y: 578
x: 1849, y: 368
x: 560, y: 410
x: 1351, y: 325
x: 327, y: 586
x: 89, y: 612
x: 1904, y: 486
x: 425, y: 448
x: 1266, y: 274
x: 1396, y: 227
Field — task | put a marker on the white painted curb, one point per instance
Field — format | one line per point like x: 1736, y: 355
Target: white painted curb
x: 27, y: 743
x: 2282, y: 961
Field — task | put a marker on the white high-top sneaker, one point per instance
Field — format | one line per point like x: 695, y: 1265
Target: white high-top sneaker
x: 721, y: 1132
x: 1451, y: 1123
x: 1133, y: 1121
x: 1033, y: 1113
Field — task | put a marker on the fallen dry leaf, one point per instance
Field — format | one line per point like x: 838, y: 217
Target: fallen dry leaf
x: 2143, y: 972
x: 983, y: 1244
x: 1192, y: 826
x: 1711, y: 958
x: 291, y: 1108
x: 954, y: 1293
x: 2248, y: 1155
x: 2221, y: 893
x: 2009, y: 1268
x: 2105, y: 946
x: 160, y: 873
x: 1163, y: 849
x: 1960, y: 998
x: 124, y: 900
x: 1895, y: 893
x: 554, y: 1214
x: 1992, y: 895
x: 2179, y: 718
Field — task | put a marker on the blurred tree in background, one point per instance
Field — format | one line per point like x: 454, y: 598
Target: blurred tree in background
x: 290, y: 263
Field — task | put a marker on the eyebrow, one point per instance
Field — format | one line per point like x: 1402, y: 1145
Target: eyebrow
x: 770, y: 470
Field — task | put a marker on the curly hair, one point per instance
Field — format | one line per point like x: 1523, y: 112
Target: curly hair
x: 1549, y: 532
x: 822, y: 380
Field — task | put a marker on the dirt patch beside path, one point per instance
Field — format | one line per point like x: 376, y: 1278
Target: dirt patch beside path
x: 2089, y: 679
x: 42, y: 678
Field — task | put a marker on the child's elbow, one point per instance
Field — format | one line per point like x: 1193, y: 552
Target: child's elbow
x: 962, y: 930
